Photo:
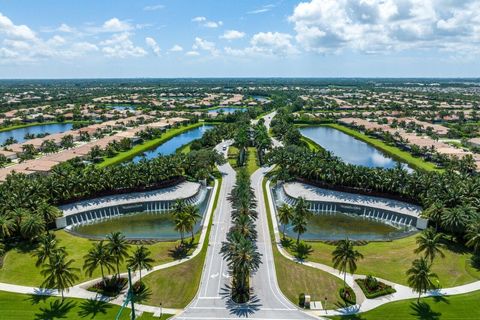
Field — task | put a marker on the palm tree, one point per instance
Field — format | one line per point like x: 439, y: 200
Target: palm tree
x: 473, y: 236
x: 48, y: 212
x: 285, y: 215
x: 299, y: 224
x: 434, y: 213
x: 420, y: 276
x: 118, y: 247
x: 58, y: 272
x: 345, y: 257
x: 32, y: 226
x: 182, y: 223
x: 7, y: 226
x: 430, y: 243
x: 193, y: 216
x: 455, y: 219
x: 47, y: 246
x: 140, y: 259
x: 98, y: 256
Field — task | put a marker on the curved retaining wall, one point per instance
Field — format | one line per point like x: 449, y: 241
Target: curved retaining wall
x: 162, y: 200
x: 371, y: 207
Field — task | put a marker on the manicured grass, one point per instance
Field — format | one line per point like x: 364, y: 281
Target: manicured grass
x: 463, y: 307
x: 390, y: 261
x: 294, y: 278
x: 175, y: 287
x: 312, y: 145
x: 20, y: 259
x: 184, y: 149
x: 232, y: 156
x: 28, y: 307
x: 417, y: 163
x: 252, y: 161
x: 140, y: 148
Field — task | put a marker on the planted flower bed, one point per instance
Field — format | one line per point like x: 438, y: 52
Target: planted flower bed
x: 348, y: 295
x: 372, y: 288
x: 110, y: 287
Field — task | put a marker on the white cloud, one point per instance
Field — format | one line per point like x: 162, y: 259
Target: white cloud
x: 385, y: 25
x: 9, y: 29
x: 153, y: 45
x: 65, y: 28
x: 176, y: 48
x: 204, y: 22
x: 116, y: 25
x: 262, y: 9
x: 266, y: 44
x: 120, y: 46
x: 154, y: 7
x: 202, y: 44
x: 232, y: 35
x: 192, y: 53
x: 56, y: 41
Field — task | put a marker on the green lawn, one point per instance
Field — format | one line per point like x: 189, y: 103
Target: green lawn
x: 140, y: 148
x: 294, y: 278
x: 312, y: 145
x: 457, y: 307
x: 390, y: 260
x: 28, y: 307
x: 395, y: 152
x: 252, y: 161
x: 232, y: 156
x: 175, y: 287
x: 19, y: 259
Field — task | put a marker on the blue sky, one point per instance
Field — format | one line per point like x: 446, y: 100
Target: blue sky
x: 206, y: 38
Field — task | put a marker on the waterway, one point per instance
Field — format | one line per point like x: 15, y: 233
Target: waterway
x: 19, y: 134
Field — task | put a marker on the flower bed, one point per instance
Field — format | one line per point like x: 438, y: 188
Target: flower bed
x: 111, y: 288
x: 375, y: 289
x: 348, y: 295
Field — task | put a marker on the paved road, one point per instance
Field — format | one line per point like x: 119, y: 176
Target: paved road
x: 212, y: 301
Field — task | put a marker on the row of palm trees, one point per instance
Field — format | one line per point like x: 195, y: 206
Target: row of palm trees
x: 240, y: 250
x: 26, y: 204
x: 105, y: 255
x: 296, y: 215
x: 450, y: 199
x: 261, y: 140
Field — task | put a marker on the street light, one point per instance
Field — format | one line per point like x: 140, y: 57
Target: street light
x: 325, y: 306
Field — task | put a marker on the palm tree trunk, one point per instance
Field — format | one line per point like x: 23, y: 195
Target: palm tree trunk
x: 118, y: 269
x: 284, y: 227
x: 103, y: 276
x: 298, y: 238
x: 192, y: 236
x: 140, y: 270
x: 344, y: 281
x: 61, y: 291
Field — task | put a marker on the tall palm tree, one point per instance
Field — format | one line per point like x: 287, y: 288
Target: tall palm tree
x: 285, y: 215
x: 58, y: 272
x: 140, y: 259
x: 193, y: 216
x: 420, y: 276
x: 455, y: 219
x: 118, y: 247
x: 430, y: 243
x: 299, y: 225
x: 473, y: 236
x: 434, y: 213
x: 32, y: 226
x: 345, y: 258
x: 98, y: 256
x: 182, y: 223
x: 47, y: 246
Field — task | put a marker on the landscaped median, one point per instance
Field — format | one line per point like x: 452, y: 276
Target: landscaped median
x: 295, y: 278
x: 147, y: 145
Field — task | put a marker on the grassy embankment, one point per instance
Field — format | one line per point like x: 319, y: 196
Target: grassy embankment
x: 458, y: 307
x: 175, y: 287
x: 21, y: 258
x: 147, y: 145
x: 27, y: 307
x: 391, y: 259
x: 294, y: 278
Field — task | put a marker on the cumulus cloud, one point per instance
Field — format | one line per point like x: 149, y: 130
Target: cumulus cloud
x: 9, y: 29
x: 202, y: 44
x: 385, y: 25
x: 121, y: 46
x: 152, y: 44
x: 204, y: 22
x: 232, y: 35
x: 176, y: 48
x: 266, y: 44
x: 116, y: 25
x: 192, y: 53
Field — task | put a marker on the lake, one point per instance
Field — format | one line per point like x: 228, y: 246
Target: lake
x: 19, y: 134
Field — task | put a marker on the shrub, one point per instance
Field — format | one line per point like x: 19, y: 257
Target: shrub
x: 348, y: 295
x: 301, y: 300
x: 111, y: 288
x: 381, y: 289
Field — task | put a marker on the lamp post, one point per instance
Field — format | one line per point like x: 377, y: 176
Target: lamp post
x: 325, y: 306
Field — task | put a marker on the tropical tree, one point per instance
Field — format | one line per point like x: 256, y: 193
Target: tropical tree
x: 430, y: 244
x: 32, y: 226
x: 7, y: 226
x: 299, y: 226
x: 140, y: 259
x: 98, y: 256
x: 473, y: 236
x: 420, y: 276
x: 182, y: 223
x: 345, y: 258
x: 193, y: 215
x: 285, y: 215
x: 58, y: 272
x: 118, y: 248
x: 47, y: 246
